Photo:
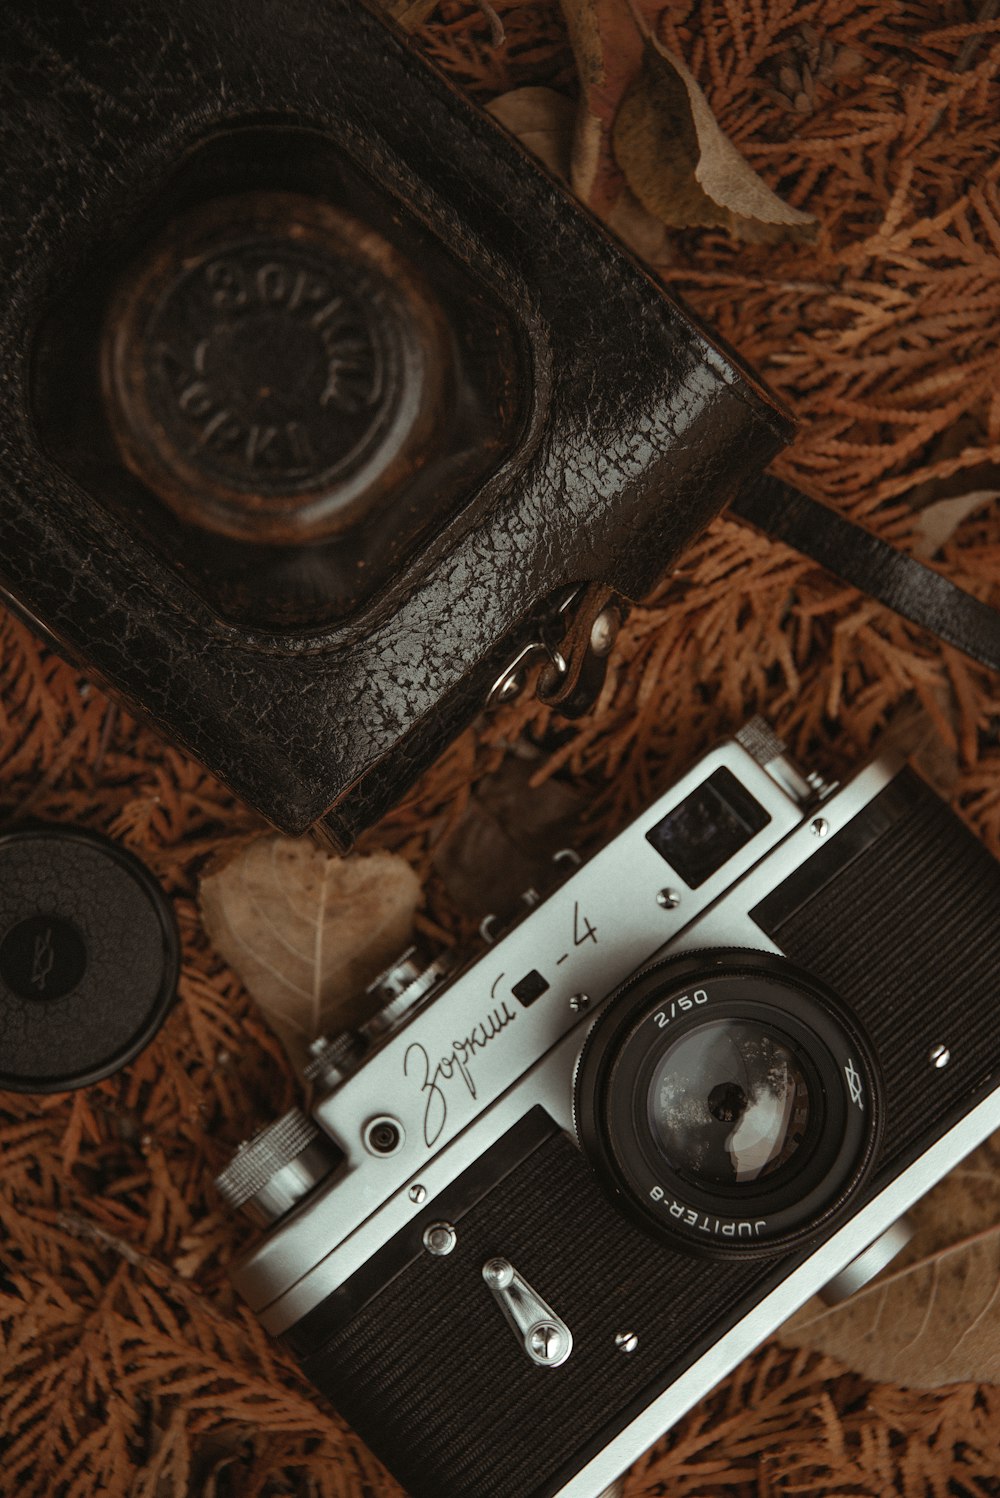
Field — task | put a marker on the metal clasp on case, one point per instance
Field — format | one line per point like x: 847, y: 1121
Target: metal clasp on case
x: 546, y: 1338
x: 572, y: 647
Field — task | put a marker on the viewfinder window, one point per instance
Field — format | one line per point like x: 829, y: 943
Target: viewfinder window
x: 708, y: 828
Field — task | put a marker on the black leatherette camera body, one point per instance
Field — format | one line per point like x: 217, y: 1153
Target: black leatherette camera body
x: 628, y: 427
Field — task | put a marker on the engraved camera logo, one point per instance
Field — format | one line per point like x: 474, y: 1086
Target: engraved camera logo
x: 43, y: 960
x: 270, y: 366
x: 437, y: 1080
x: 854, y: 1083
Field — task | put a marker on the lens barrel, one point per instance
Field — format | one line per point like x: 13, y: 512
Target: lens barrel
x: 729, y: 1101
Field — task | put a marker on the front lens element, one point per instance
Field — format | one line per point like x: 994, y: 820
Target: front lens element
x: 730, y: 1103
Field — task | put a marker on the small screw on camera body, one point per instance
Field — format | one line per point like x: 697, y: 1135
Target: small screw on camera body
x: 440, y: 1239
x: 547, y: 1342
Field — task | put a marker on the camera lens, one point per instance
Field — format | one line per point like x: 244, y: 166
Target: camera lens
x: 729, y: 1101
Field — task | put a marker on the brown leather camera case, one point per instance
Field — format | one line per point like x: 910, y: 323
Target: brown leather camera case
x: 316, y: 389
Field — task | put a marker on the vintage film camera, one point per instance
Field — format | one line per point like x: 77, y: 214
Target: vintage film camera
x: 544, y: 1203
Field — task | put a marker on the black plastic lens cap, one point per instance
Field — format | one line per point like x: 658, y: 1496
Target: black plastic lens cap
x: 89, y: 958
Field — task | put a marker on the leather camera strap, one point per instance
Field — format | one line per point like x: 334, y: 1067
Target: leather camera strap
x: 914, y: 591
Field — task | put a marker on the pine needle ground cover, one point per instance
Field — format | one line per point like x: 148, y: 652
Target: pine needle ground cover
x: 128, y: 1368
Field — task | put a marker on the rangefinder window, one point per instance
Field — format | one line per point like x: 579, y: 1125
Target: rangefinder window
x: 708, y: 828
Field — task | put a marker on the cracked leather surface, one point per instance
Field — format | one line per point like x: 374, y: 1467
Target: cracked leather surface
x: 642, y: 426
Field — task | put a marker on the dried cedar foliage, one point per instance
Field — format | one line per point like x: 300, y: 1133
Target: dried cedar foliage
x: 127, y: 1367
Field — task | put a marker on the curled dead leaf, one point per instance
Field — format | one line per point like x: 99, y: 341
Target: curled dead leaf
x: 307, y: 931
x: 683, y: 168
x: 607, y: 49
x: 636, y: 227
x: 644, y: 126
x: 965, y: 1203
x: 542, y: 120
x: 410, y: 13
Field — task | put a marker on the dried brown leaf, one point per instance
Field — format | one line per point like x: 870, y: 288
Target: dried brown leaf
x: 936, y: 1323
x: 929, y: 742
x: 683, y: 168
x: 964, y: 1204
x: 542, y: 120
x: 933, y: 1317
x: 505, y: 841
x: 637, y: 228
x: 411, y: 13
x: 607, y: 48
x: 307, y: 931
x: 939, y: 522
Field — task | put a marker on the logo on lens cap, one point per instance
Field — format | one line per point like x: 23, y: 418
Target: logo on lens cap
x: 43, y: 957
